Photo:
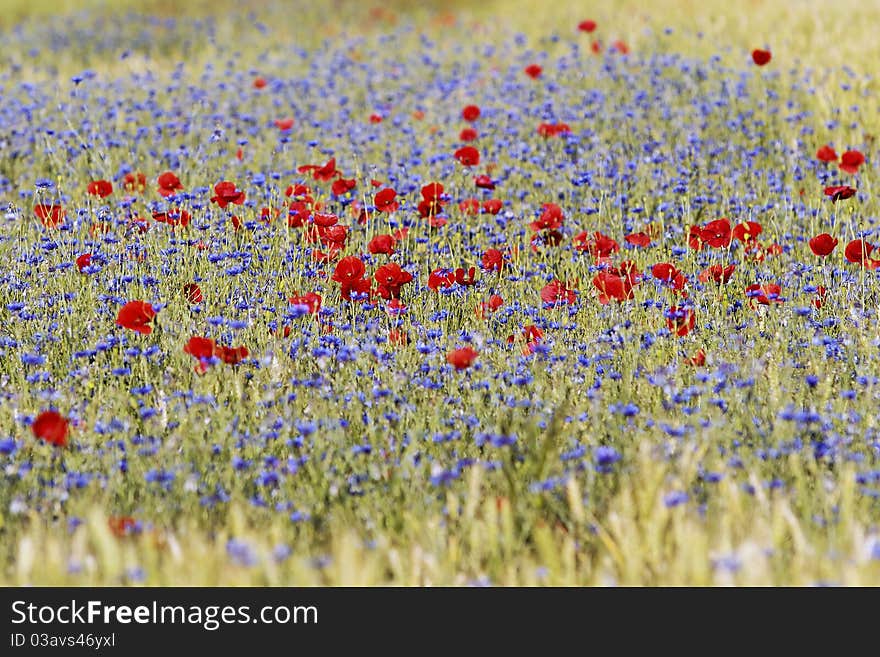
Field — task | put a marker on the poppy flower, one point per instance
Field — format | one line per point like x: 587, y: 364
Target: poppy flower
x: 381, y: 244
x: 638, y: 239
x: 556, y: 292
x: 617, y: 282
x: 311, y: 300
x: 491, y: 206
x: 761, y: 57
x: 717, y: 273
x: 134, y: 182
x: 202, y: 349
x: 121, y: 526
x: 551, y: 218
x: 441, y: 278
x: 102, y: 188
x: 466, y: 278
x: 747, y: 232
x: 463, y: 358
x: 698, y: 360
x: 822, y: 245
x: 492, y: 260
x: 169, y: 184
x: 468, y: 156
x: 851, y: 161
x: 763, y: 294
x: 173, y: 217
x: 858, y: 251
x: 51, y: 426
x: 391, y: 278
x: 547, y: 130
x: 375, y: 118
x: 470, y: 113
x: 384, y: 201
x: 826, y: 154
x: 819, y: 301
x: 343, y: 186
x: 587, y: 26
x: 136, y: 316
x: 597, y: 244
x: 232, y: 355
x: 226, y: 193
x: 533, y: 71
x: 680, y: 321
x: 596, y: 47
x: 259, y: 83
x: 49, y: 215
x: 669, y: 275
x: 484, y: 182
x: 284, y: 124
x: 467, y: 134
x: 349, y: 273
x: 398, y: 338
x: 839, y: 192
x: 717, y: 234
x: 490, y: 306
x: 83, y: 261
x: 193, y: 293
x: 621, y: 47
x: 324, y: 172
x: 695, y: 241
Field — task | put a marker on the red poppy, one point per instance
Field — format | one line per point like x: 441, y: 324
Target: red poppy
x: 381, y: 244
x: 858, y: 251
x: 490, y: 306
x: 312, y: 300
x: 201, y: 349
x: 717, y: 234
x: 102, y: 188
x: 322, y: 172
x: 822, y: 245
x: 134, y: 182
x: 533, y: 71
x: 597, y: 244
x: 671, y: 277
x: 763, y: 294
x: 49, y: 215
x: 173, y: 217
x: 826, y: 154
x: 484, y: 182
x: 397, y: 338
x: 232, y: 355
x: 384, y: 201
x: 466, y: 278
x: 551, y: 218
x: 83, y: 261
x: 747, y: 232
x: 470, y: 113
x: 441, y: 278
x: 851, y: 161
x: 259, y: 83
x: 121, y: 526
x: 136, y: 316
x: 761, y: 57
x: 839, y: 192
x: 621, y: 47
x: 226, y: 193
x: 349, y: 273
x: 468, y: 156
x: 698, y: 360
x: 694, y: 240
x: 51, y: 426
x: 553, y: 129
x: 193, y: 293
x: 463, y: 358
x: 343, y: 186
x: 284, y: 124
x: 717, y: 273
x: 491, y: 206
x: 680, y: 320
x: 638, y: 239
x: 391, y: 278
x: 617, y: 282
x: 493, y: 260
x: 468, y: 134
x: 375, y: 118
x: 169, y: 184
x: 556, y: 292
x: 596, y: 47
x: 819, y: 301
x: 587, y: 26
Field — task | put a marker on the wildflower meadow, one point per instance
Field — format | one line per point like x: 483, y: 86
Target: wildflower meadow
x: 439, y: 293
